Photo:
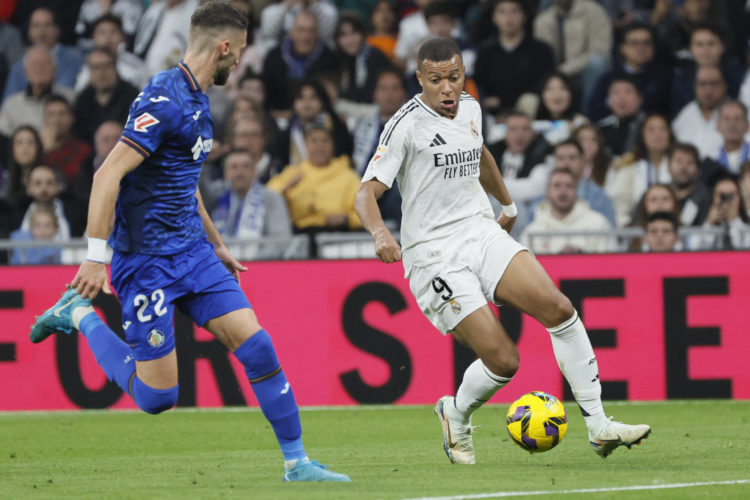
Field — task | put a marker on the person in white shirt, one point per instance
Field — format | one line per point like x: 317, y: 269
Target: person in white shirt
x: 696, y: 122
x: 458, y: 257
x: 733, y: 126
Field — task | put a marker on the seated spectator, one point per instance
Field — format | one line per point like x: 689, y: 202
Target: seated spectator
x: 596, y: 156
x: 733, y: 126
x: 707, y: 48
x: 557, y: 114
x: 358, y: 62
x: 693, y: 197
x: 412, y: 31
x: 43, y: 191
x: 562, y: 211
x: 300, y: 55
x: 657, y: 198
x: 696, y: 122
x: 320, y: 191
x: 745, y: 90
x: 636, y: 170
x: 44, y: 33
x: 744, y: 183
x: 26, y: 152
x: 511, y: 64
x: 108, y: 33
x: 254, y: 136
x: 384, y: 22
x: 522, y: 149
x: 728, y: 212
x: 311, y: 104
x: 653, y: 79
x: 580, y: 34
x: 248, y: 210
x: 674, y: 30
x: 443, y: 22
x: 25, y: 107
x: 278, y: 18
x: 92, y: 11
x: 620, y: 128
x: 661, y: 233
x: 43, y: 226
x: 105, y: 98
x: 62, y: 151
x: 162, y: 34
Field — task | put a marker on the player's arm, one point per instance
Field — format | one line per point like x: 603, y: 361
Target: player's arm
x: 214, y: 237
x: 366, y: 205
x: 492, y: 182
x: 92, y: 274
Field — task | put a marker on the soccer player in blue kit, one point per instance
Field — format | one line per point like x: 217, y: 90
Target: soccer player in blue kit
x: 167, y: 251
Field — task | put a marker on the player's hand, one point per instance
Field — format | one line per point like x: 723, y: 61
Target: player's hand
x: 506, y: 222
x: 386, y: 247
x: 232, y: 264
x: 90, y: 279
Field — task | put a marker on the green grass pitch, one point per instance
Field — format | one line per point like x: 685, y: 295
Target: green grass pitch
x: 390, y: 452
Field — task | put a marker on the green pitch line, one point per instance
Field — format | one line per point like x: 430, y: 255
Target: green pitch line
x: 697, y: 449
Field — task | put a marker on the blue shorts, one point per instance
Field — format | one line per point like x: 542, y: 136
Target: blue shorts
x: 150, y: 286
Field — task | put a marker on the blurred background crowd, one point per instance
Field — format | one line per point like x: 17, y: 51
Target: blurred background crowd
x: 618, y: 125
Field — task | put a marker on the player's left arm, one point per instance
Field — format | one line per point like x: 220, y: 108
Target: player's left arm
x: 214, y: 237
x: 492, y: 182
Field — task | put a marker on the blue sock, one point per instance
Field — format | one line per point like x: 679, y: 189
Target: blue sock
x: 111, y: 352
x: 273, y: 392
x: 152, y: 400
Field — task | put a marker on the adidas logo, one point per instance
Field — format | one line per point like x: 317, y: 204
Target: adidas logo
x: 437, y: 141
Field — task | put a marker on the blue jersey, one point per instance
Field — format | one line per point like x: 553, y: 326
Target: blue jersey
x: 170, y: 125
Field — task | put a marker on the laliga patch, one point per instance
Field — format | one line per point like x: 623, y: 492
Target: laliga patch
x: 455, y: 306
x: 143, y: 122
x: 155, y: 338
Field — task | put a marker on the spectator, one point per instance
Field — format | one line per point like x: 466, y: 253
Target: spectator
x: 706, y: 49
x: 522, y: 149
x: 511, y: 64
x: 557, y: 114
x: 311, y: 105
x: 661, y: 233
x: 92, y: 11
x: 62, y: 151
x: 358, y: 62
x: 412, y: 31
x: 442, y: 22
x: 621, y: 127
x: 43, y: 191
x: 253, y: 136
x: 384, y: 28
x: 657, y: 198
x: 280, y: 17
x: 596, y: 156
x: 44, y: 32
x: 105, y: 98
x: 25, y: 107
x: 11, y: 51
x: 300, y: 55
x: 79, y: 190
x: 733, y: 126
x: 43, y: 226
x: 729, y: 213
x: 248, y: 210
x: 653, y: 79
x: 693, y: 197
x: 25, y: 153
x: 162, y: 33
x: 319, y: 191
x: 745, y: 90
x: 744, y: 182
x: 107, y: 33
x: 562, y: 211
x: 580, y: 34
x: 696, y: 122
x: 642, y: 166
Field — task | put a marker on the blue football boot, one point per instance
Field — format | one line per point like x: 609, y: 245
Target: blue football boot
x: 58, y: 318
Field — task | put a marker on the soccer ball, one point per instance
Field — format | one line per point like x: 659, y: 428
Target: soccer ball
x: 537, y: 421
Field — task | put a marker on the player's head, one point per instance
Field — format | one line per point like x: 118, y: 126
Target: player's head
x: 219, y: 30
x: 441, y: 73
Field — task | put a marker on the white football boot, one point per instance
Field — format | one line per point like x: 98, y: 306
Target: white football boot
x: 615, y: 434
x: 457, y: 441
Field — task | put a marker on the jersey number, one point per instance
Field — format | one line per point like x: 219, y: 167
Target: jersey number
x: 141, y: 302
x: 439, y: 285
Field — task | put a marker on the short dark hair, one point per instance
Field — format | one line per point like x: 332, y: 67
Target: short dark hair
x: 437, y: 50
x: 624, y: 78
x: 739, y: 104
x: 392, y: 70
x: 707, y: 26
x: 563, y: 170
x: 107, y: 18
x: 353, y: 20
x: 569, y: 142
x: 53, y: 98
x: 686, y: 148
x: 218, y: 14
x: 517, y: 113
x: 439, y: 8
x: 105, y: 51
x: 235, y: 151
x: 636, y: 26
x: 520, y: 3
x: 666, y: 216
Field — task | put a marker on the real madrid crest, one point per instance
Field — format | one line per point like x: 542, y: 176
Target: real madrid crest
x: 455, y: 306
x: 474, y: 130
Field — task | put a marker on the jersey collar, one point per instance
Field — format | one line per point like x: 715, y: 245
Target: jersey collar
x: 192, y: 82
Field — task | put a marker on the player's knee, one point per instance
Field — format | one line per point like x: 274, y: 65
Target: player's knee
x: 258, y: 355
x: 558, y: 311
x: 503, y: 362
x: 152, y: 400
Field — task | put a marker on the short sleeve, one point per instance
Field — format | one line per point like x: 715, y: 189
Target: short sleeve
x: 391, y: 151
x: 153, y: 118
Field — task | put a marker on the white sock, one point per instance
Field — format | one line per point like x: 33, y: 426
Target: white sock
x: 289, y: 464
x: 478, y: 386
x: 577, y: 362
x: 79, y: 313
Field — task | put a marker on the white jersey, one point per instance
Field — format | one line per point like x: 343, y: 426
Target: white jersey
x: 436, y: 163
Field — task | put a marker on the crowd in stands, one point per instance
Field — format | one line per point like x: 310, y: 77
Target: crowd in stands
x: 601, y: 114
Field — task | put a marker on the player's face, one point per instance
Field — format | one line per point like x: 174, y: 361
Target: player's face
x: 229, y: 56
x: 660, y: 236
x: 442, y: 83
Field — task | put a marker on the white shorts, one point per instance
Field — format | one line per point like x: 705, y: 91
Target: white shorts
x: 450, y: 284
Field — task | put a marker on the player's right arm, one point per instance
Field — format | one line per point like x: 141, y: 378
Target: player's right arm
x: 366, y: 205
x: 92, y: 276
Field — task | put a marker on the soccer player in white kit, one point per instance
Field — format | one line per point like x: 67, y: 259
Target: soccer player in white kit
x: 458, y: 257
